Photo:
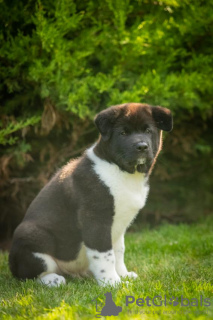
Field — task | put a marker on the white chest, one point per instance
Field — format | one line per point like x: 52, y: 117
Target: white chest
x: 129, y: 192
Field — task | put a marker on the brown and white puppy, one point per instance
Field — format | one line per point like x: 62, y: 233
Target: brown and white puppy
x: 78, y: 220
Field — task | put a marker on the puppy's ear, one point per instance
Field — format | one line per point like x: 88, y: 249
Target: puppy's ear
x: 163, y: 118
x: 104, y: 121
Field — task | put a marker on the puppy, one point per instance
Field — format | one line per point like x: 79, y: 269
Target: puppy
x: 78, y: 220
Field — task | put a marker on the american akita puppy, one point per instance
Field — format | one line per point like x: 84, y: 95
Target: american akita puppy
x: 78, y: 220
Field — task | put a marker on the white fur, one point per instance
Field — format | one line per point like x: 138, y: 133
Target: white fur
x: 78, y: 266
x: 102, y: 265
x: 52, y: 280
x: 128, y: 190
x: 119, y: 249
x: 49, y: 276
x: 48, y: 261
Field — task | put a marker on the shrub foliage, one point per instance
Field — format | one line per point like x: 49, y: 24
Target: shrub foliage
x: 63, y: 61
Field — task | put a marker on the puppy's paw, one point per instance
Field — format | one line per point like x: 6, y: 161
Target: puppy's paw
x: 112, y: 281
x: 130, y: 274
x: 52, y: 280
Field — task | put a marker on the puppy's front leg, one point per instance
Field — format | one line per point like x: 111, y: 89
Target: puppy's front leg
x: 102, y: 265
x: 97, y: 239
x: 119, y: 249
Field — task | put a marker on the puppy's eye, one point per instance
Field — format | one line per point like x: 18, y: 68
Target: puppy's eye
x: 148, y: 130
x: 123, y: 133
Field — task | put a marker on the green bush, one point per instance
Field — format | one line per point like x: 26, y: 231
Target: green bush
x: 86, y: 56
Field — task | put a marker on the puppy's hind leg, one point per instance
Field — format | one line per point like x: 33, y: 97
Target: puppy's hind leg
x: 49, y: 277
x: 26, y: 260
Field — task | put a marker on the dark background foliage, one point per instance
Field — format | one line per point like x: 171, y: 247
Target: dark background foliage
x: 62, y: 61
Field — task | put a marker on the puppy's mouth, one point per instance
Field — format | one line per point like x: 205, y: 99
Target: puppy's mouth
x: 141, y: 165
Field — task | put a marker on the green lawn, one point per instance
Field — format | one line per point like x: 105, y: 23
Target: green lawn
x: 171, y: 260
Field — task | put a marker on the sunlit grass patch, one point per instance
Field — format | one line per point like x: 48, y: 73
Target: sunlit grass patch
x: 171, y: 261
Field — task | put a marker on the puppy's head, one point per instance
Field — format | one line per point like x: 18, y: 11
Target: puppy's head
x: 131, y: 134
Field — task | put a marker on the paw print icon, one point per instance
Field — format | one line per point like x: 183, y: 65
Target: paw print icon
x: 173, y: 301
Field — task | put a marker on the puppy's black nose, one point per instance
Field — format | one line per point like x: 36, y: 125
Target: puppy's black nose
x: 141, y: 146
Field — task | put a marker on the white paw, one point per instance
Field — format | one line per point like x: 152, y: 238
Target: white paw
x: 130, y: 274
x: 52, y: 280
x: 112, y: 281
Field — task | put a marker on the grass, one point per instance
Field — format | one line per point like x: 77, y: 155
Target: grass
x: 171, y: 260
